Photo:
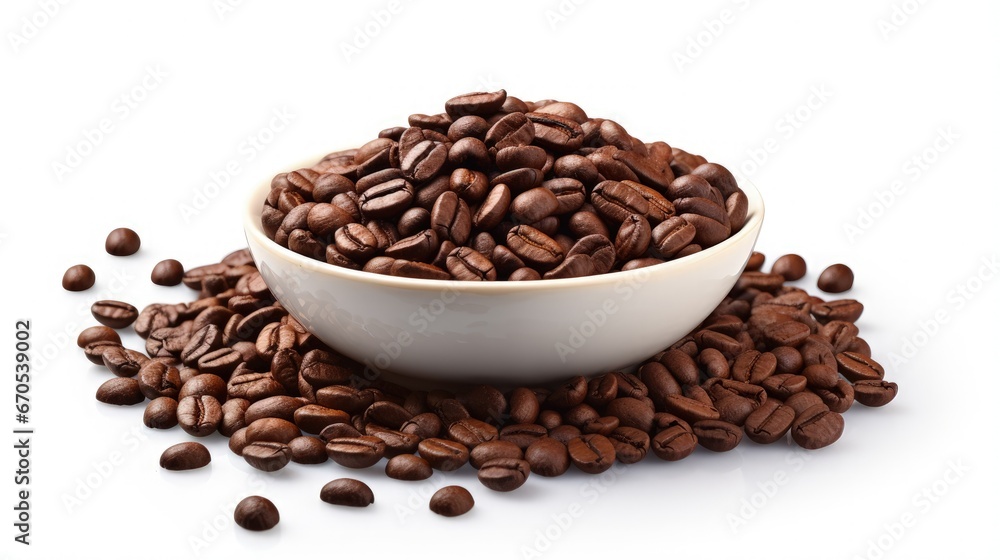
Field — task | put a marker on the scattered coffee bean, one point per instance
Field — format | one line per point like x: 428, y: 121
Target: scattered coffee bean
x: 452, y: 501
x: 791, y: 267
x: 255, y: 513
x: 185, y: 456
x: 167, y: 272
x: 267, y: 456
x: 114, y: 314
x: 78, y: 278
x: 120, y: 391
x: 347, y: 492
x: 408, y: 467
x: 835, y: 279
x: 122, y: 242
x: 98, y: 334
x: 504, y: 474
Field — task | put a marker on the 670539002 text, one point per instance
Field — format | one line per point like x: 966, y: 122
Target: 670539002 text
x: 22, y: 432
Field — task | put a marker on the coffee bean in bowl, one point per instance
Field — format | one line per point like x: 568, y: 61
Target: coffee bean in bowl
x: 376, y: 250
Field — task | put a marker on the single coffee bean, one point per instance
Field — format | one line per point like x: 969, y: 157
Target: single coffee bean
x: 820, y: 376
x: 838, y: 398
x: 803, y: 400
x: 120, y: 391
x: 308, y: 450
x: 838, y: 310
x: 408, y: 467
x: 674, y: 443
x: 255, y: 513
x: 494, y: 450
x: 122, y: 242
x: 452, y: 501
x: 356, y: 452
x: 631, y: 444
x: 504, y: 474
x: 271, y: 429
x: 167, y: 272
x: 534, y: 247
x: 347, y: 492
x: 817, y: 427
x: 547, y: 457
x: 870, y: 392
x: 592, y: 453
x: 835, y: 279
x: 443, y: 454
x: 185, y: 456
x: 157, y: 379
x: 716, y: 435
x: 78, y: 278
x: 204, y: 384
x: 470, y: 432
x: 791, y: 267
x: 160, y: 413
x: 784, y: 385
x: 98, y: 334
x: 770, y: 422
x: 268, y: 456
x: 857, y: 367
x: 199, y: 415
x: 114, y: 314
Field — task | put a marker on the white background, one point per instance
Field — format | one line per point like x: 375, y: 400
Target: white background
x: 824, y: 106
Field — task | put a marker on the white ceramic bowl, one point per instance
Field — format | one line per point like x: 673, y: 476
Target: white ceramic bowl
x: 501, y: 332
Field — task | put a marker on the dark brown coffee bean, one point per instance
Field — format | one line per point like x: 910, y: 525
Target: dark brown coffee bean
x: 423, y: 161
x: 272, y: 429
x: 268, y: 456
x: 838, y: 310
x: 786, y: 333
x: 716, y: 435
x: 313, y: 418
x: 233, y: 416
x: 494, y: 450
x: 631, y: 444
x: 321, y: 368
x: 791, y: 267
x: 308, y: 450
x: 633, y: 237
x: 255, y: 513
x: 468, y: 264
x: 199, y: 415
x: 204, y: 384
x: 78, y: 278
x: 690, y: 409
x: 555, y: 132
x: 870, y: 392
x: 523, y: 435
x: 817, y: 427
x: 820, y: 376
x: 356, y: 452
x: 533, y: 205
x: 547, y: 457
x: 123, y: 362
x: 504, y: 474
x: 789, y: 360
x: 631, y: 413
x: 803, y: 400
x: 443, y: 454
x: 838, y: 398
x: 114, y: 314
x: 470, y: 432
x: 122, y: 242
x: 334, y: 431
x: 835, y: 279
x: 98, y: 334
x: 160, y: 413
x: 784, y: 385
x: 185, y: 456
x: 674, y: 443
x: 120, y: 391
x: 452, y: 501
x: 157, y: 379
x: 592, y: 453
x: 770, y: 422
x: 514, y: 129
x: 483, y: 104
x: 347, y: 492
x: 616, y: 202
x: 424, y: 425
x: 671, y: 236
x: 534, y: 247
x: 857, y: 367
x: 408, y: 467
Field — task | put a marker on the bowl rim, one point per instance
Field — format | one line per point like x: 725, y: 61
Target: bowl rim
x: 253, y: 228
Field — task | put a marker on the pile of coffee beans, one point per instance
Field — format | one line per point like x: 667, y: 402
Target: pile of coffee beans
x: 771, y: 363
x: 496, y: 188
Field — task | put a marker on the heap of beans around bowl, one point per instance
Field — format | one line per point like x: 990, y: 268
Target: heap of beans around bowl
x: 496, y: 188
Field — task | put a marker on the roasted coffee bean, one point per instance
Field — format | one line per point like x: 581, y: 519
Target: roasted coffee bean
x: 592, y: 453
x: 268, y: 456
x: 157, y: 379
x: 272, y: 429
x: 672, y: 235
x: 523, y: 435
x: 770, y: 422
x: 494, y: 450
x: 717, y: 435
x: 470, y: 432
x: 78, y: 278
x: 452, y: 501
x: 347, y: 492
x: 534, y: 247
x: 408, y: 467
x: 632, y: 413
x: 817, y: 427
x: 424, y: 425
x: 308, y: 450
x: 784, y: 385
x: 803, y: 400
x: 122, y: 242
x: 633, y: 237
x: 841, y: 309
x: 838, y: 398
x: 443, y: 454
x: 533, y: 205
x: 123, y: 362
x: 631, y: 444
x: 870, y: 392
x: 753, y: 366
x: 313, y: 418
x: 690, y: 409
x: 674, y: 443
x: 199, y: 415
x: 547, y: 457
x: 483, y: 104
x: 756, y: 262
x: 788, y: 359
x: 160, y: 413
x: 786, y: 333
x: 791, y: 267
x: 504, y: 474
x: 616, y: 202
x: 185, y: 456
x: 835, y: 279
x: 356, y: 452
x: 468, y: 264
x: 204, y: 384
x: 321, y: 368
x: 255, y: 513
x: 857, y: 367
x: 114, y: 314
x: 120, y: 391
x: 98, y: 334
